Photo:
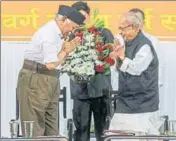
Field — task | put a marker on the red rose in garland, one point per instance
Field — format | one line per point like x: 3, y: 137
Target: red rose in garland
x: 97, y: 33
x: 91, y: 56
x: 99, y: 43
x: 99, y: 68
x: 101, y: 58
x: 92, y: 29
x: 109, y: 61
x: 100, y: 49
x: 79, y: 35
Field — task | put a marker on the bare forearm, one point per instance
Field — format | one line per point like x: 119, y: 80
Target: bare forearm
x: 67, y: 48
x: 61, y: 57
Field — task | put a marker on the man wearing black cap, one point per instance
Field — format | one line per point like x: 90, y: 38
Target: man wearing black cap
x: 38, y: 85
x: 88, y: 97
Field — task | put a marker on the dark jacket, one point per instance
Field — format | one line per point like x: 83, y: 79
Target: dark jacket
x: 139, y: 93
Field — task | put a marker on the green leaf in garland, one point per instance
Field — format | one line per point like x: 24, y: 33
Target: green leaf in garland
x: 86, y: 33
x: 101, y: 24
x: 97, y: 22
x: 99, y: 38
x: 96, y: 11
x: 106, y: 52
x: 107, y: 72
x: 86, y: 27
x: 107, y: 66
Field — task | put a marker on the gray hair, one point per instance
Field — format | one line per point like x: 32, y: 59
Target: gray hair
x: 141, y: 13
x: 61, y: 16
x: 132, y: 18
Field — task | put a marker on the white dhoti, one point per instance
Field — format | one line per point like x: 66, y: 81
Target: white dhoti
x: 139, y: 124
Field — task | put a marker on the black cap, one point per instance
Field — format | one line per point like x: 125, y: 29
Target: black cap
x: 71, y: 14
x: 80, y: 5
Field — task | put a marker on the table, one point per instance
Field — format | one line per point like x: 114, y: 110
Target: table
x: 35, y: 139
x: 108, y: 137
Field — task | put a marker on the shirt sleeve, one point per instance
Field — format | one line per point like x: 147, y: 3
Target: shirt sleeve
x: 50, y: 52
x: 140, y: 63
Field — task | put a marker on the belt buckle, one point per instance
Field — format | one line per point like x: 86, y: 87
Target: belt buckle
x: 39, y: 68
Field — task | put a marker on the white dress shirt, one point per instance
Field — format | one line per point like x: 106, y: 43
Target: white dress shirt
x: 45, y: 44
x: 140, y: 62
x: 136, y: 66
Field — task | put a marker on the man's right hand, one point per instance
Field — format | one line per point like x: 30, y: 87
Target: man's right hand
x: 70, y: 46
x: 113, y: 55
x: 67, y: 48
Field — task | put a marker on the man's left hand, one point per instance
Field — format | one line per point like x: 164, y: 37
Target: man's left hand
x: 121, y: 53
x: 70, y: 46
x: 113, y: 55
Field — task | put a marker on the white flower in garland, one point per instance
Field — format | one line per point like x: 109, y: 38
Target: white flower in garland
x: 89, y: 38
x: 91, y: 56
x: 82, y: 61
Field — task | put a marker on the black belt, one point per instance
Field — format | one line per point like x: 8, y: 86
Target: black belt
x: 39, y: 68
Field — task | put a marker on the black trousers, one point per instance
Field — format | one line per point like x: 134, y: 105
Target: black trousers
x: 82, y: 111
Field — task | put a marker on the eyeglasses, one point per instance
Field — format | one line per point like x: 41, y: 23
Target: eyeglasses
x: 124, y: 28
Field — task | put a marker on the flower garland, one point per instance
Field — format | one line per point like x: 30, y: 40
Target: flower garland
x: 90, y: 57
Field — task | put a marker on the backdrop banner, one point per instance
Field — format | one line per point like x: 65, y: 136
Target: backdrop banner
x: 20, y: 19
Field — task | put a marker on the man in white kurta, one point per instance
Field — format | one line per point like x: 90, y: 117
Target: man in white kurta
x: 137, y: 108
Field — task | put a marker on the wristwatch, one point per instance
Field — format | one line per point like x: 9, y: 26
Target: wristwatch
x: 120, y: 60
x: 122, y: 57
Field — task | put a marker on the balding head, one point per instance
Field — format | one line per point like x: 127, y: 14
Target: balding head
x: 129, y: 25
x: 130, y: 19
x: 139, y: 13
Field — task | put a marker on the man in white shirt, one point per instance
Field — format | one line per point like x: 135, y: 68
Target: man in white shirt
x: 156, y: 43
x: 137, y: 65
x: 38, y: 84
